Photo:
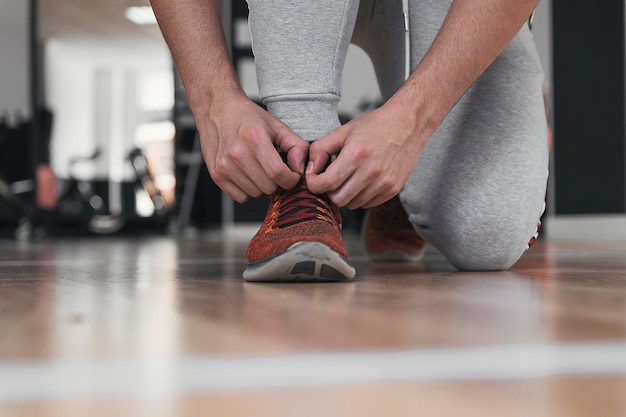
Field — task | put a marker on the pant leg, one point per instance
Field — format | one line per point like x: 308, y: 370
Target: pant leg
x: 478, y: 190
x: 300, y: 48
x: 379, y: 31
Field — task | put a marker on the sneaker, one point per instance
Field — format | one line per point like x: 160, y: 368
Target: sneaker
x: 300, y: 240
x: 389, y: 235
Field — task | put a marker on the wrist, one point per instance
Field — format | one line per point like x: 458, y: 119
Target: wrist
x: 415, y: 111
x: 216, y: 98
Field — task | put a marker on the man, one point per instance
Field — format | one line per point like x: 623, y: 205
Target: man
x: 458, y: 152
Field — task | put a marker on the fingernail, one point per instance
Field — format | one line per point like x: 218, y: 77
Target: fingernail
x: 309, y: 168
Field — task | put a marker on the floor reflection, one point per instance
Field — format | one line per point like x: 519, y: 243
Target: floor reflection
x: 166, y: 296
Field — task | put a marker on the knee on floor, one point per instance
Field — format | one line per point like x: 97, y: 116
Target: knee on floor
x: 474, y: 247
x: 480, y: 256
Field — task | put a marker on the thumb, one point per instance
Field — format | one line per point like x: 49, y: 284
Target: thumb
x: 322, y: 150
x: 296, y: 148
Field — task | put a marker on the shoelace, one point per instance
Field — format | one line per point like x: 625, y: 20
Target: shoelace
x: 299, y: 205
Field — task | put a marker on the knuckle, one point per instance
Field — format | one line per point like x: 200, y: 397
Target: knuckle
x: 394, y: 189
x: 240, y: 198
x: 338, y: 201
x: 249, y: 134
x: 217, y: 177
x: 288, y: 183
x: 236, y: 153
x: 270, y: 190
x: 326, y: 184
x: 375, y: 171
x: 387, y: 184
x: 256, y: 193
x: 222, y: 166
x: 330, y: 182
x: 274, y: 172
x: 360, y: 152
x: 235, y: 193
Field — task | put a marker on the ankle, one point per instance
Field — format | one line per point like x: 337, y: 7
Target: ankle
x: 310, y: 116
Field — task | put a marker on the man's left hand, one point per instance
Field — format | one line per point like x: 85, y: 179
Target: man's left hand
x: 376, y: 154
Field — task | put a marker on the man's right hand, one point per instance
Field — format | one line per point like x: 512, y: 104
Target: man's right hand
x: 241, y: 144
x: 240, y: 141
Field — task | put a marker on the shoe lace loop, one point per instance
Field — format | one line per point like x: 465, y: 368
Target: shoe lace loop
x: 299, y: 204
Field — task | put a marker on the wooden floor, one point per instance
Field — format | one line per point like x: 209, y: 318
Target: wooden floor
x: 157, y: 326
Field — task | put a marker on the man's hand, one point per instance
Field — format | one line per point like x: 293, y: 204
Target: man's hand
x: 378, y: 151
x: 241, y: 144
x: 376, y: 154
x: 239, y: 139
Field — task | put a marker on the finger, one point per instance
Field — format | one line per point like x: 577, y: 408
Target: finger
x: 243, y: 168
x: 344, y: 194
x: 360, y: 190
x: 377, y: 201
x: 369, y: 197
x: 267, y: 181
x: 261, y: 179
x: 297, y: 158
x: 363, y: 186
x: 263, y: 165
x: 333, y: 178
x: 234, y: 192
x: 323, y: 149
x: 275, y: 170
x: 243, y: 182
x: 296, y: 148
x: 358, y: 201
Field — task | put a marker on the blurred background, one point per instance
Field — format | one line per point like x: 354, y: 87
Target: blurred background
x: 96, y: 136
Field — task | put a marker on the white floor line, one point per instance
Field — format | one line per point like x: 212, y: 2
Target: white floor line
x: 171, y: 376
x: 56, y: 262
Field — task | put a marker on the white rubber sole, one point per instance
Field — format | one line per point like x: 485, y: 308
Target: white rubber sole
x: 301, y: 262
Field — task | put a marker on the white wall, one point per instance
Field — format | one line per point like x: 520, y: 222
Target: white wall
x: 542, y: 32
x: 70, y: 88
x: 91, y: 90
x: 15, y: 58
x: 359, y: 81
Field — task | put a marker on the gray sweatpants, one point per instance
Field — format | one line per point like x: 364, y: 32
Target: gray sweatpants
x: 478, y: 190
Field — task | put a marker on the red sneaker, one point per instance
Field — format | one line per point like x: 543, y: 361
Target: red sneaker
x: 389, y: 235
x: 300, y: 240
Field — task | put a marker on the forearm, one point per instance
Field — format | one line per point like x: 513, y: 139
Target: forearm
x: 472, y: 36
x: 194, y: 34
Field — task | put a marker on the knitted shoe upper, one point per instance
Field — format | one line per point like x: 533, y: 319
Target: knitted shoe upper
x: 293, y: 216
x: 387, y: 228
